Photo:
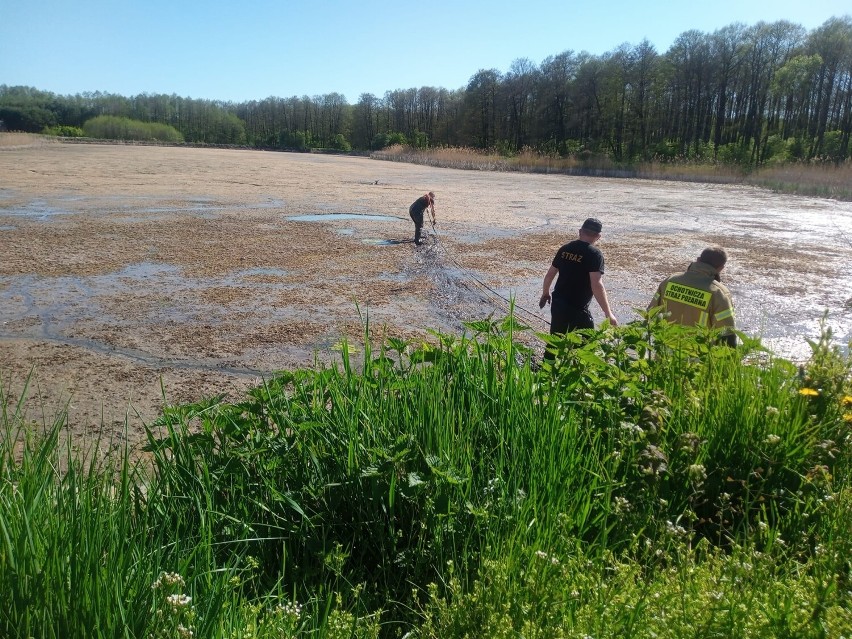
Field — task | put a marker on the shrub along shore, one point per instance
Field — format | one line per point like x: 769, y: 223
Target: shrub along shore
x: 648, y: 483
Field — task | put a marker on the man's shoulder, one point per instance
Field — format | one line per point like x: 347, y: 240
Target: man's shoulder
x: 580, y: 246
x: 690, y: 277
x: 718, y: 286
x: 683, y: 279
x: 671, y: 278
x: 574, y: 246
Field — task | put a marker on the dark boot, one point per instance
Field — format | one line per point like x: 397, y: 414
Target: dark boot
x: 417, y: 239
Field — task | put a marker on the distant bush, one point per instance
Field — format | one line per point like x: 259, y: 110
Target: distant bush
x: 64, y: 131
x: 735, y: 154
x: 340, y: 143
x: 111, y: 127
x: 777, y: 150
x: 832, y: 145
x: 562, y: 148
x: 665, y: 151
x: 420, y: 140
x: 299, y: 140
x: 796, y: 148
x: 384, y: 140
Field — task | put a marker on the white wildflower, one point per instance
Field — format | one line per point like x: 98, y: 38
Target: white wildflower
x: 291, y: 609
x: 168, y: 579
x: 622, y: 505
x: 179, y: 601
x: 697, y: 472
x: 675, y: 529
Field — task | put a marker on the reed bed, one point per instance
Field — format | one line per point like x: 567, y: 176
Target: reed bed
x: 644, y: 483
x: 15, y: 139
x: 827, y: 179
x: 821, y: 180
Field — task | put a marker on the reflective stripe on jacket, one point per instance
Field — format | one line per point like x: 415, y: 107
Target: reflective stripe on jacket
x: 695, y: 298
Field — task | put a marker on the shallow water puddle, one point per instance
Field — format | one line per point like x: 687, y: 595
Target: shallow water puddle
x: 36, y: 209
x: 379, y: 242
x: 332, y: 217
x: 50, y: 306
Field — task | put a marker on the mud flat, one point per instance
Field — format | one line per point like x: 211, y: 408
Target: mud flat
x: 130, y: 276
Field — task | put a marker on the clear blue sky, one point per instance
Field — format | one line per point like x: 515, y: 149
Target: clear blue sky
x: 254, y: 49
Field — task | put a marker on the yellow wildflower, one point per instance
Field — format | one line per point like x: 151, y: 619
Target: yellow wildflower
x: 809, y: 392
x: 847, y: 417
x: 847, y: 400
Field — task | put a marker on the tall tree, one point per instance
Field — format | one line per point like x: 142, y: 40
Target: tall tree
x: 557, y: 75
x: 480, y: 108
x: 519, y: 90
x: 727, y: 48
x: 691, y: 93
x: 833, y: 43
x: 365, y: 121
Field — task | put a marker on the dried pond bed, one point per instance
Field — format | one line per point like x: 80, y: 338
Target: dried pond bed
x: 129, y: 271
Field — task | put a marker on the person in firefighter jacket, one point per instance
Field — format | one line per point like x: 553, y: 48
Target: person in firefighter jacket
x: 697, y: 297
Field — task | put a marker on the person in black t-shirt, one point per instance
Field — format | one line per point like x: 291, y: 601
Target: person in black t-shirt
x: 580, y: 267
x: 416, y: 210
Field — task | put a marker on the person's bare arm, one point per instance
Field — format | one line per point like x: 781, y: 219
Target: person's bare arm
x: 545, y: 287
x: 599, y: 292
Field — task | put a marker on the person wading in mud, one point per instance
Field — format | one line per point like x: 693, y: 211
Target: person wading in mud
x: 580, y: 267
x: 697, y: 297
x: 416, y: 211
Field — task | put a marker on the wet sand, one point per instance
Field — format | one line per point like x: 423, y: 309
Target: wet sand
x: 131, y: 275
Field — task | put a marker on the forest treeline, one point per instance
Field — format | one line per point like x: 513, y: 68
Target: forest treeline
x: 743, y: 95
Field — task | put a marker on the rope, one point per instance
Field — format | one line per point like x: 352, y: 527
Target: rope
x: 489, y: 293
x: 840, y: 232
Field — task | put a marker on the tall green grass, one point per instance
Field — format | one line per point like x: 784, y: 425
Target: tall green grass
x: 646, y: 482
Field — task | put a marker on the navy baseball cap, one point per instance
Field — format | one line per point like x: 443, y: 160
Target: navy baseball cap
x: 592, y: 224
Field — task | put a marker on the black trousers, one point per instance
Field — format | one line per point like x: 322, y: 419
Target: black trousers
x: 417, y: 218
x: 565, y: 318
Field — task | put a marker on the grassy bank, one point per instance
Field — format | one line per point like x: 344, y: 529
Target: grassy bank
x: 651, y: 484
x: 817, y: 179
